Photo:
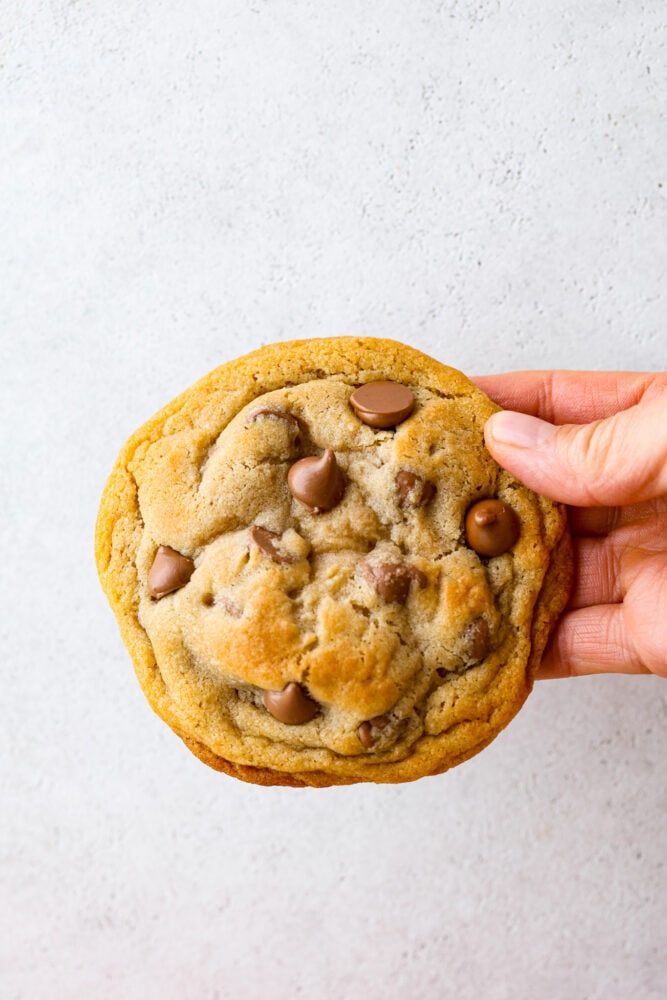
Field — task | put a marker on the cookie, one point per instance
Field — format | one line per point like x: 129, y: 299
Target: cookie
x: 321, y: 574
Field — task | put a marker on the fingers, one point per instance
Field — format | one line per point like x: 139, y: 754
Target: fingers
x: 645, y: 603
x: 604, y: 565
x: 618, y: 460
x: 569, y: 397
x: 597, y: 442
x: 603, y: 520
x: 598, y: 573
x: 591, y: 641
x: 617, y: 638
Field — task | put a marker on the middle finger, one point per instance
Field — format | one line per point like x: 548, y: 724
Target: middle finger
x: 601, y: 564
x: 600, y: 521
x: 597, y: 577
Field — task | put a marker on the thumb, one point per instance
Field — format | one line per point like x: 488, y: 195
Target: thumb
x: 619, y: 460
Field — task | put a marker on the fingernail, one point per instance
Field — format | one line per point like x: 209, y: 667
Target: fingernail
x: 518, y: 429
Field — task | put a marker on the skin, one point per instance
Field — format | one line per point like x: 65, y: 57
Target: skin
x: 607, y: 460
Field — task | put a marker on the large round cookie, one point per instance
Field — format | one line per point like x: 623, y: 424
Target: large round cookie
x: 321, y: 582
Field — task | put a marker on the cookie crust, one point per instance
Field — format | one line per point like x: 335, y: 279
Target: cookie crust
x: 168, y: 487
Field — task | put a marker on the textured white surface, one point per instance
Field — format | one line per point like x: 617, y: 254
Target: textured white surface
x: 181, y: 182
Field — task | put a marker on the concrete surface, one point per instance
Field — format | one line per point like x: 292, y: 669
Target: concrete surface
x: 181, y: 182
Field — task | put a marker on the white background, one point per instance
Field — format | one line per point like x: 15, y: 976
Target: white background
x: 184, y: 181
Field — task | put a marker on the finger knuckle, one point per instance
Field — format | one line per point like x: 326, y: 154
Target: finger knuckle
x: 589, y: 451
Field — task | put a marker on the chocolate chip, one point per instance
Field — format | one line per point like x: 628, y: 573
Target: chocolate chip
x: 317, y: 482
x: 413, y: 491
x: 291, y: 705
x: 392, y: 580
x: 267, y: 411
x: 170, y: 571
x: 365, y: 734
x: 368, y: 731
x: 491, y: 527
x: 477, y: 640
x: 266, y: 540
x: 382, y: 404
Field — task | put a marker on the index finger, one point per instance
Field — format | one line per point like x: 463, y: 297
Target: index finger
x: 568, y: 397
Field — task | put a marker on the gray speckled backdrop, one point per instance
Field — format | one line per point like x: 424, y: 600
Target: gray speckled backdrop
x: 181, y: 182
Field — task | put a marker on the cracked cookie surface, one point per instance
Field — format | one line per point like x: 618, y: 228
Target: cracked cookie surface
x: 293, y: 570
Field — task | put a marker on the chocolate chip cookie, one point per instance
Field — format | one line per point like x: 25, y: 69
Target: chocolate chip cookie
x: 321, y: 574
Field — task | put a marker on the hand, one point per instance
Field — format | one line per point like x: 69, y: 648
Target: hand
x: 608, y: 460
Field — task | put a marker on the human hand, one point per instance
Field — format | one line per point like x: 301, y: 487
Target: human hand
x: 608, y: 461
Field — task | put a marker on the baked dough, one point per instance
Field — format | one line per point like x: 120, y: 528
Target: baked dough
x: 293, y: 644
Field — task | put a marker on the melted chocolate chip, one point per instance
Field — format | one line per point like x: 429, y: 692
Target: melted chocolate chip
x: 491, y: 527
x: 266, y: 540
x: 170, y: 571
x: 365, y: 734
x: 368, y: 731
x: 477, y: 640
x: 392, y: 580
x: 267, y: 411
x: 413, y: 491
x: 291, y: 705
x: 382, y: 404
x: 317, y: 482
